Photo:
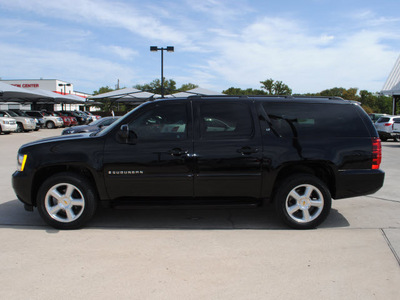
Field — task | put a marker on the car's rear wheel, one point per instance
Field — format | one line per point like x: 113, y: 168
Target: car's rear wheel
x: 67, y: 201
x: 303, y: 201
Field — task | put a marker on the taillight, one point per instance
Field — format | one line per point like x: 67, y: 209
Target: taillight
x: 388, y: 124
x: 376, y: 153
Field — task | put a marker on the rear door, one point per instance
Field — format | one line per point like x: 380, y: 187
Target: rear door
x: 228, y: 149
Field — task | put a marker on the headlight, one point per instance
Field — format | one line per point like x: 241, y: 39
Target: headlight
x: 21, y: 161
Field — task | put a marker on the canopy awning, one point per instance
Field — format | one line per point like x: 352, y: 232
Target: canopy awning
x: 392, y: 84
x: 127, y: 93
x: 196, y: 91
x: 10, y: 93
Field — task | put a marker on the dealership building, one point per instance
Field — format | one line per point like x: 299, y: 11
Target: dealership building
x: 53, y: 85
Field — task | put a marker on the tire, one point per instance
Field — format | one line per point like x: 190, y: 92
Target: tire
x: 50, y: 125
x: 67, y: 201
x: 303, y: 201
x: 20, y: 128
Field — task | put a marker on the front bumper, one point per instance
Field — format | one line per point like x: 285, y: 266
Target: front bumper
x: 9, y: 127
x: 29, y: 126
x: 22, y: 184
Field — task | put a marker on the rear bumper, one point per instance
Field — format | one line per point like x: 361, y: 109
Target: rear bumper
x: 353, y: 183
x: 387, y: 135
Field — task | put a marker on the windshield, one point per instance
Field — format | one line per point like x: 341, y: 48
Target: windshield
x: 21, y: 113
x: 118, y: 122
x: 12, y: 114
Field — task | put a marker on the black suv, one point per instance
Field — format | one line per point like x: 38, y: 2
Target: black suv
x: 295, y: 151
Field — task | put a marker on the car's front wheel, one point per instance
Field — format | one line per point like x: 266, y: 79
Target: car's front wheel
x: 67, y: 201
x: 303, y: 201
x: 20, y: 128
x: 50, y: 125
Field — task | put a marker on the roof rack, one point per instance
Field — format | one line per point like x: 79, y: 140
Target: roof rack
x: 266, y: 96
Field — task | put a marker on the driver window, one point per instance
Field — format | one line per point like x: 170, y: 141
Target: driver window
x: 165, y: 122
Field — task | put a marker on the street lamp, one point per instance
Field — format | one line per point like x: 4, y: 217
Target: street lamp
x: 155, y: 49
x: 64, y: 85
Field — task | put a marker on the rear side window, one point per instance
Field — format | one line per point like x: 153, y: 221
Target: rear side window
x: 315, y: 120
x: 383, y: 120
x: 225, y: 120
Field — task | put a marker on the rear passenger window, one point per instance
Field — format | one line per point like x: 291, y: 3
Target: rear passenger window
x: 225, y: 120
x: 383, y: 120
x: 310, y: 120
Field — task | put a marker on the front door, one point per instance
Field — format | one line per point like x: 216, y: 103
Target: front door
x: 158, y: 162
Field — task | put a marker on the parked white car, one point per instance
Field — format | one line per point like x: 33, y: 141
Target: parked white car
x: 23, y: 123
x: 7, y: 125
x: 384, y: 126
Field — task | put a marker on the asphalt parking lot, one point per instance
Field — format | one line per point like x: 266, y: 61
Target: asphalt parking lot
x: 202, y: 254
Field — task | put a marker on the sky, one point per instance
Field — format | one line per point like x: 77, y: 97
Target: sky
x: 310, y: 45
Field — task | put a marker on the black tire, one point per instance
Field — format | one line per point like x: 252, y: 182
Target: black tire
x: 50, y: 125
x: 67, y: 201
x: 303, y: 201
x: 20, y: 128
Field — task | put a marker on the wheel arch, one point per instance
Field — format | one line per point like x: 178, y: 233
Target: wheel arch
x: 321, y: 170
x: 46, y: 172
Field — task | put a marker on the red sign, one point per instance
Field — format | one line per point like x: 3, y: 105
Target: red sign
x: 26, y: 85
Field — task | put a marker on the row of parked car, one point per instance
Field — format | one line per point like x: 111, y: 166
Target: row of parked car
x: 29, y: 120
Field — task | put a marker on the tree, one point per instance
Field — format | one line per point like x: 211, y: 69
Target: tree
x: 155, y: 86
x: 240, y: 92
x: 187, y: 86
x: 102, y: 90
x: 275, y: 87
x: 349, y: 94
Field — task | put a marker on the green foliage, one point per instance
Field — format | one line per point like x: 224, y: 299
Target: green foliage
x: 102, y: 90
x: 169, y: 87
x: 155, y: 86
x: 239, y: 92
x: 187, y: 86
x: 371, y: 102
x: 275, y: 87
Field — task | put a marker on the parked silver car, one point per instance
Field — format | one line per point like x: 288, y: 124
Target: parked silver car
x: 23, y: 123
x: 384, y: 126
x: 50, y: 121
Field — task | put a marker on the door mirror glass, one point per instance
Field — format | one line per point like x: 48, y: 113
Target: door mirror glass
x: 126, y: 136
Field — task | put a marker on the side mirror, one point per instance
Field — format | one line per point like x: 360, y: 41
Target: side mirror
x: 126, y: 136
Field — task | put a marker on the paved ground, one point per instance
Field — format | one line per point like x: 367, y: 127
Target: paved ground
x: 202, y: 254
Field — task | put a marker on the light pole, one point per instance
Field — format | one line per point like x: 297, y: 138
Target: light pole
x: 155, y: 49
x: 64, y: 85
